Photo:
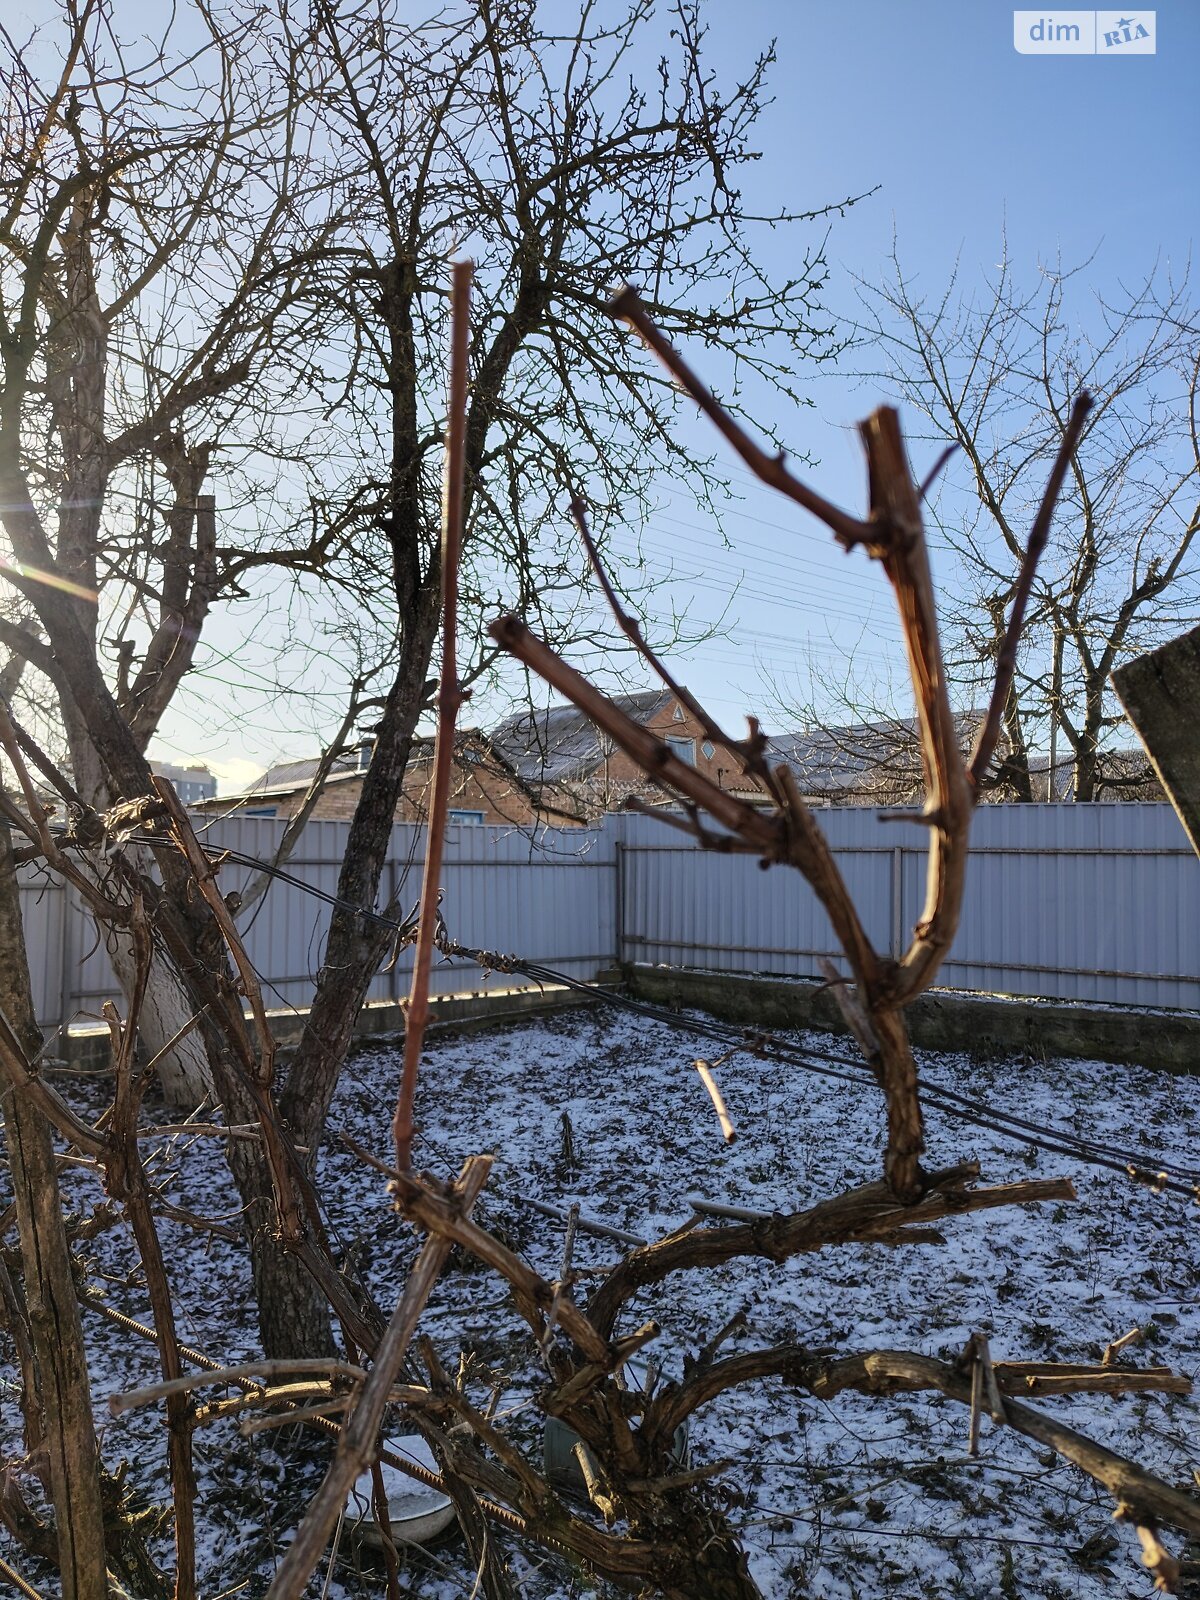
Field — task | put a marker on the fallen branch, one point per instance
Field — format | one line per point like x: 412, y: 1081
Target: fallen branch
x: 892, y: 1372
x: 887, y: 1372
x: 1028, y: 1377
x: 728, y: 1132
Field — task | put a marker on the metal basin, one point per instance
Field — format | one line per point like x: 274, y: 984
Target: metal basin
x: 416, y: 1512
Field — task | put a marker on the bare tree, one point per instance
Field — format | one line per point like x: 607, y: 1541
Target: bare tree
x: 158, y: 227
x: 992, y: 373
x: 222, y: 258
x: 152, y: 245
x: 539, y: 147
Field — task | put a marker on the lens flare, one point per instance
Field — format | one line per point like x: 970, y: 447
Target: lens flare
x: 13, y: 570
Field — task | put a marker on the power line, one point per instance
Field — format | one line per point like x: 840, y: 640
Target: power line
x: 797, y: 530
x: 760, y: 567
x: 848, y: 1069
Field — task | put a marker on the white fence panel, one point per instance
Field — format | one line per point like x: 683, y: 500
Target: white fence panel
x: 1096, y: 903
x: 43, y: 916
x: 548, y: 895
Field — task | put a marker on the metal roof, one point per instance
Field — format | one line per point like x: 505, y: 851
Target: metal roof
x: 560, y: 743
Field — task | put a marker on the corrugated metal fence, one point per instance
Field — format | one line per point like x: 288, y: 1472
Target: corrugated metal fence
x: 1090, y: 902
x: 1098, y: 903
x: 550, y: 897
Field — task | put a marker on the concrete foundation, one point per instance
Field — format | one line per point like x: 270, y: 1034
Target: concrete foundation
x: 89, y: 1048
x: 943, y: 1019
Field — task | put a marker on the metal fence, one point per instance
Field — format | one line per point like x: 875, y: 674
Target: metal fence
x: 549, y: 896
x: 1098, y: 903
x: 1089, y: 902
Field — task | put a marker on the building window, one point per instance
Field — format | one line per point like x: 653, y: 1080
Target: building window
x: 465, y: 816
x: 260, y: 811
x: 678, y: 717
x: 685, y: 749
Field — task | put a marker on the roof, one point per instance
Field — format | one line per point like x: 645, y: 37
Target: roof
x: 290, y: 774
x: 562, y: 743
x: 838, y: 758
x: 285, y: 776
x: 473, y: 749
x: 861, y: 754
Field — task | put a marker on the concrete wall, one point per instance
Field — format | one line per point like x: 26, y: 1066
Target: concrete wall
x: 942, y: 1019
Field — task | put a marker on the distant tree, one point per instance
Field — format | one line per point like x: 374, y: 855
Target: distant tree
x: 157, y: 232
x: 992, y: 373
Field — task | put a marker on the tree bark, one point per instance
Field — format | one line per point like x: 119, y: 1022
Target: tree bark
x: 51, y: 1303
x: 1161, y: 696
x: 1014, y: 766
x: 356, y: 945
x: 1086, y: 764
x: 293, y: 1313
x: 183, y: 1069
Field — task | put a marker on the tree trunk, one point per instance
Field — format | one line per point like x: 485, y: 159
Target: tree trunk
x: 355, y: 946
x: 1086, y: 765
x: 113, y: 765
x: 183, y: 1070
x: 1161, y: 696
x: 705, y: 1558
x: 1014, y: 767
x: 293, y: 1313
x: 51, y: 1303
x: 897, y: 1073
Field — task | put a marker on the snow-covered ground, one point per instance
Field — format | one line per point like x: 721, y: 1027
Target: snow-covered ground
x: 855, y: 1498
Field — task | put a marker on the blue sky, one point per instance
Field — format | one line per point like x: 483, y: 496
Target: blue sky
x: 961, y: 137
x: 964, y: 140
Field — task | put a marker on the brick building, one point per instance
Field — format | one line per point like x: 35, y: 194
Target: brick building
x: 485, y: 789
x: 554, y: 766
x: 559, y: 752
x: 551, y: 766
